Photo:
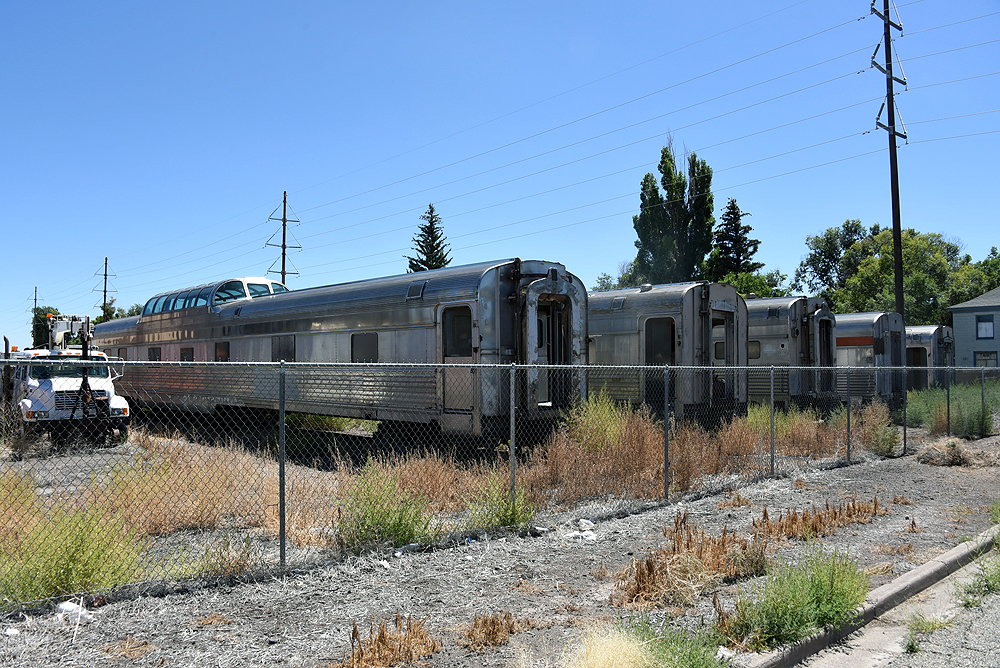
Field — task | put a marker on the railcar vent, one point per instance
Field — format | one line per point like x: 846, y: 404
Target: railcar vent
x: 416, y: 290
x: 617, y: 303
x: 772, y: 313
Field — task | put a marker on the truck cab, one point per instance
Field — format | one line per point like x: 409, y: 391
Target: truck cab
x: 64, y: 396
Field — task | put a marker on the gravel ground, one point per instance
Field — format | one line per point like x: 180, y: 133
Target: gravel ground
x: 968, y: 641
x: 553, y: 578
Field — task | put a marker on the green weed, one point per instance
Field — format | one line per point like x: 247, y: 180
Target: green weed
x: 671, y: 646
x: 491, y: 505
x: 796, y: 600
x: 375, y: 510
x: 985, y: 582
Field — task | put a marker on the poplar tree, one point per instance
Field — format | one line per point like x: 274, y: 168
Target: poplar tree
x: 674, y: 227
x: 429, y: 244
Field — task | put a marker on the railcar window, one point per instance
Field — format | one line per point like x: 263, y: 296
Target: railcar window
x: 168, y: 303
x: 278, y: 287
x: 153, y: 354
x: 984, y: 326
x: 187, y: 354
x: 258, y: 289
x: 148, y: 308
x: 230, y: 291
x: 222, y: 351
x: 753, y: 350
x: 202, y: 298
x: 772, y: 313
x: 720, y: 350
x: 458, y: 332
x: 283, y: 348
x: 364, y: 347
x: 184, y: 299
x: 415, y: 290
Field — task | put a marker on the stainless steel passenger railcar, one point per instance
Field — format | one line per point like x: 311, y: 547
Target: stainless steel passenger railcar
x: 792, y: 332
x: 928, y: 346
x: 695, y: 324
x: 873, y: 340
x: 501, y: 312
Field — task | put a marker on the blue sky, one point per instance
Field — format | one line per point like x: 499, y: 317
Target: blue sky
x: 161, y: 135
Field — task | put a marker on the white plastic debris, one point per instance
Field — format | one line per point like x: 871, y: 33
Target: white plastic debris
x: 11, y: 632
x: 724, y: 654
x: 583, y: 535
x: 73, y: 613
x: 585, y: 525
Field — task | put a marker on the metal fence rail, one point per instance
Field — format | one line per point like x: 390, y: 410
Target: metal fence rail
x: 229, y: 468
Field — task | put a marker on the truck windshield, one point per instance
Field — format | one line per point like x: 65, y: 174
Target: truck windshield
x: 40, y: 372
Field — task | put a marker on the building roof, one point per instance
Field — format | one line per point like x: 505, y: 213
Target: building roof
x: 990, y: 299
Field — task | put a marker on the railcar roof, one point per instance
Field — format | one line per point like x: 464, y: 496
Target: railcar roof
x: 447, y: 283
x: 601, y: 299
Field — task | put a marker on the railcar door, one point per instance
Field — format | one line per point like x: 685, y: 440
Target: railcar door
x: 459, y: 385
x: 723, y: 353
x: 660, y: 350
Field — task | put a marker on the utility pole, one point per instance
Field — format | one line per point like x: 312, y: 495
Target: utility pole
x: 104, y: 302
x: 890, y: 107
x: 34, y: 316
x: 284, y: 235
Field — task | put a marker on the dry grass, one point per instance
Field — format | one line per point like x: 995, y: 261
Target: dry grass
x: 690, y: 560
x: 129, y: 648
x: 735, y: 500
x: 406, y: 643
x: 607, y: 648
x: 904, y: 550
x: 901, y: 500
x: 813, y: 522
x: 492, y: 630
x: 913, y: 528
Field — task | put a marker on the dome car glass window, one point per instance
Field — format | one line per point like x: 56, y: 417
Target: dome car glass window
x: 230, y: 291
x: 258, y: 289
x: 202, y: 298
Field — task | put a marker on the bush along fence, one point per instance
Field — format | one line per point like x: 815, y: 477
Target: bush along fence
x: 230, y: 469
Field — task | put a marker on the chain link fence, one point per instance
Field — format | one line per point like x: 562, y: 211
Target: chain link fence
x: 218, y: 470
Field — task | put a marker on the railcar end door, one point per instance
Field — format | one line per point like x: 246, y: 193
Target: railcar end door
x: 459, y: 345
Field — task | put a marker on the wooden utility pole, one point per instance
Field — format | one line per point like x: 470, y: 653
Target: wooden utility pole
x: 890, y: 107
x: 104, y: 302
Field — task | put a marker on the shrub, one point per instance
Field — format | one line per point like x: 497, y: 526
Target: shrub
x: 796, y: 600
x: 375, y: 510
x: 68, y: 551
x: 491, y: 505
x: 671, y: 646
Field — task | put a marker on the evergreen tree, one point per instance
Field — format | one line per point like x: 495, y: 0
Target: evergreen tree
x: 675, y: 227
x: 429, y: 244
x: 734, y: 249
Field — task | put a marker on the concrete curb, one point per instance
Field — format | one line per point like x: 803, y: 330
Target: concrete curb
x: 880, y: 601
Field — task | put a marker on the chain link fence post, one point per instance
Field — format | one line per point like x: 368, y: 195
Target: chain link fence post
x: 772, y: 420
x: 906, y: 403
x: 849, y: 415
x: 281, y: 463
x: 666, y: 432
x: 513, y: 433
x: 982, y: 416
x: 947, y: 389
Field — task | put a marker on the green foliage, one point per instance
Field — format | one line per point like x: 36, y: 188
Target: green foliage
x: 828, y: 264
x: 878, y: 433
x: 429, y: 244
x: 673, y: 647
x: 626, y: 278
x: 796, y: 600
x: 733, y: 249
x: 40, y: 325
x: 111, y: 312
x: 985, y: 582
x: 995, y: 511
x: 597, y: 421
x: 674, y: 227
x: 491, y: 505
x: 929, y: 408
x: 70, y: 550
x: 377, y: 511
x: 766, y: 285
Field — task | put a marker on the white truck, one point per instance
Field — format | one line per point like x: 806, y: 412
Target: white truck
x: 61, y: 394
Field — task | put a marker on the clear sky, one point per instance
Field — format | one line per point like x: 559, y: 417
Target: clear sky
x: 161, y: 135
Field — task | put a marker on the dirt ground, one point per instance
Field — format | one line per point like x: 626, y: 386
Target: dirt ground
x: 553, y: 576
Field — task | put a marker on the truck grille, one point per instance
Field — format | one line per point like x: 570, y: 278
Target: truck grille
x: 65, y: 400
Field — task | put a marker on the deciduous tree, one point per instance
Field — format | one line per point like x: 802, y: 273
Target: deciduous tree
x: 674, y: 227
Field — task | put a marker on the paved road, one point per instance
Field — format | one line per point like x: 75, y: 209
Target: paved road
x: 971, y: 640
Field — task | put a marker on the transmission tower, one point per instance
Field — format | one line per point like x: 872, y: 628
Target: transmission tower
x: 284, y: 237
